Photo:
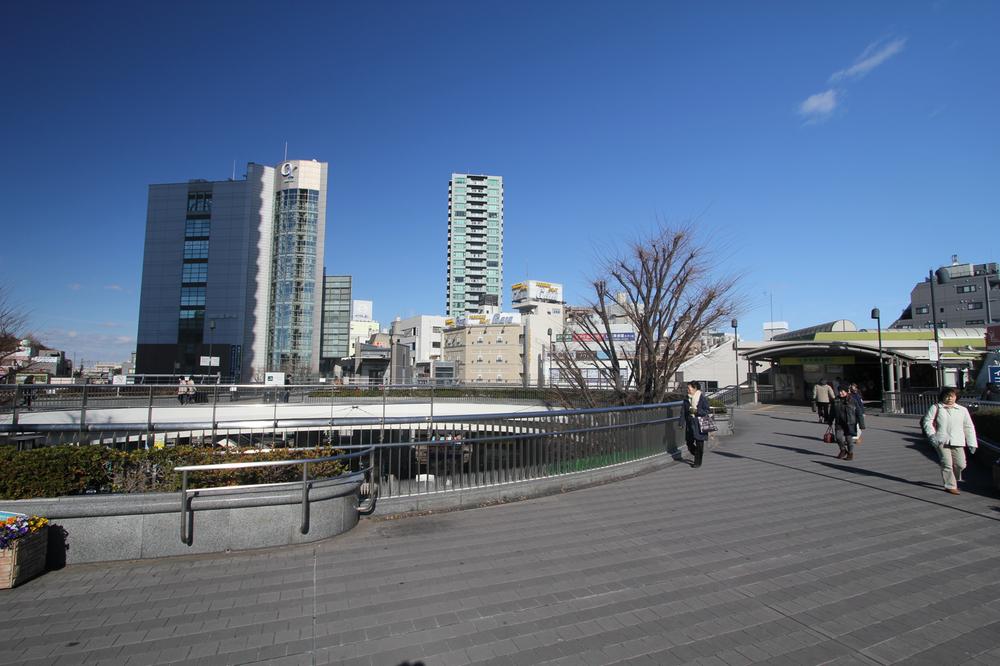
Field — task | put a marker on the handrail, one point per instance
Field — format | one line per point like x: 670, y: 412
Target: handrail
x: 187, y: 535
x: 338, y: 421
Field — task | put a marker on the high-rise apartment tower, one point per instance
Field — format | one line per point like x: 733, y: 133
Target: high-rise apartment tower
x: 233, y: 270
x: 475, y: 243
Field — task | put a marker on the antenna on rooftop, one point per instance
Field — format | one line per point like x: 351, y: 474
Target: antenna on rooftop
x: 234, y: 169
x: 286, y: 152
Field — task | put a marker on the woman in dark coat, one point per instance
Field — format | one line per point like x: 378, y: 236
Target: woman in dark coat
x: 695, y: 405
x: 846, y: 417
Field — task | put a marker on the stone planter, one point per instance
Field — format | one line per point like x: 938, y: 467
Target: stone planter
x: 23, y: 559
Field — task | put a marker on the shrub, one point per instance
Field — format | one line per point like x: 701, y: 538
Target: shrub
x: 987, y: 422
x: 75, y: 470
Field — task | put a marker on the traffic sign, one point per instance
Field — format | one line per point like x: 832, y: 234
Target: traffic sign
x: 995, y: 374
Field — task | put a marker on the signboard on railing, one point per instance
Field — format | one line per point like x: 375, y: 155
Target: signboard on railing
x: 993, y: 337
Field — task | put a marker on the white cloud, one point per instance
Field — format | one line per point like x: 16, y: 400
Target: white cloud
x: 820, y: 105
x: 76, y: 286
x: 114, y: 287
x: 873, y: 56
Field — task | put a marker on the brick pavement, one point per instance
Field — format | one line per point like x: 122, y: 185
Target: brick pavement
x: 774, y: 552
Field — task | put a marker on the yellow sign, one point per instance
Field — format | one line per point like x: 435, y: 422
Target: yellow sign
x: 816, y: 360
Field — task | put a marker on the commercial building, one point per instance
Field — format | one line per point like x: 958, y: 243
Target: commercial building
x: 336, y: 337
x: 423, y: 336
x: 964, y: 294
x: 475, y: 244
x: 486, y: 349
x: 543, y: 312
x: 232, y: 276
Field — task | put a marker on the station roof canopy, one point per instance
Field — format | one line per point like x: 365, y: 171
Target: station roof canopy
x: 821, y: 348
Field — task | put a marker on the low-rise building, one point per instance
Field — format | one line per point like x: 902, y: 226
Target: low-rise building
x: 486, y: 349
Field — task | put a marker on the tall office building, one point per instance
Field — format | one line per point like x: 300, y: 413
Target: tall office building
x: 233, y: 270
x: 475, y: 243
x: 336, y: 321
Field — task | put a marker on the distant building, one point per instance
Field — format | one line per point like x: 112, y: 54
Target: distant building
x: 542, y: 314
x: 475, y: 243
x: 233, y: 269
x: 965, y: 295
x: 423, y: 336
x: 336, y: 341
x: 486, y: 350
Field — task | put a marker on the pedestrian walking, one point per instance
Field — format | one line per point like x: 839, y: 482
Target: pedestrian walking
x: 192, y: 392
x: 182, y: 390
x: 27, y: 392
x: 855, y: 392
x: 822, y: 397
x: 695, y: 405
x: 949, y: 427
x: 846, y: 417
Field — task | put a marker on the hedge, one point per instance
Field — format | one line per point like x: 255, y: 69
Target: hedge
x: 987, y: 422
x: 76, y: 470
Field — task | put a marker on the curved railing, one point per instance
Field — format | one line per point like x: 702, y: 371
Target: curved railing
x: 187, y: 493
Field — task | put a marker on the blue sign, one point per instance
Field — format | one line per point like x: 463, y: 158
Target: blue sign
x: 995, y: 374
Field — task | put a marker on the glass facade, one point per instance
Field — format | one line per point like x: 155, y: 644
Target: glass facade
x: 336, y: 316
x: 293, y: 280
x: 475, y: 242
x: 194, y: 277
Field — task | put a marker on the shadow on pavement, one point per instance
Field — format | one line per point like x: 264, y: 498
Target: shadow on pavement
x: 811, y: 452
x: 812, y: 438
x: 867, y: 472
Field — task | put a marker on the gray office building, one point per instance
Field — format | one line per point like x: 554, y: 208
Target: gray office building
x: 964, y: 295
x: 336, y: 321
x: 232, y: 271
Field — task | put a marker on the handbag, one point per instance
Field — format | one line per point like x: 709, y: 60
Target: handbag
x: 707, y: 423
x: 828, y: 435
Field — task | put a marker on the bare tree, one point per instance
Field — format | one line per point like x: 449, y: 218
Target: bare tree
x: 669, y: 293
x: 13, y: 319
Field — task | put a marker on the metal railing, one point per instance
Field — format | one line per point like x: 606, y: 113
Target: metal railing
x: 918, y: 402
x: 416, y: 454
x: 187, y: 494
x: 16, y: 400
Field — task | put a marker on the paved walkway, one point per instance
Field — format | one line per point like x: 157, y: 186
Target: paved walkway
x: 774, y: 552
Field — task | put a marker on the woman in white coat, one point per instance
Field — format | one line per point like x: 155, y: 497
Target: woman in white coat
x: 949, y: 428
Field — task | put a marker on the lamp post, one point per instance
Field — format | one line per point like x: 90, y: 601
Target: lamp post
x: 736, y: 354
x: 937, y: 342
x: 211, y: 339
x: 877, y: 316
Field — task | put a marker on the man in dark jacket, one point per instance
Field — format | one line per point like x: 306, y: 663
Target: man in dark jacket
x: 846, y: 417
x: 695, y: 405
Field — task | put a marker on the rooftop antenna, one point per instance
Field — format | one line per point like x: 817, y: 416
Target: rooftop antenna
x: 234, y: 169
x: 286, y: 152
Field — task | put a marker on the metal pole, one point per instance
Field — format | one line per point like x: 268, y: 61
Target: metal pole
x: 986, y: 288
x: 937, y: 342
x: 877, y: 316
x: 736, y: 355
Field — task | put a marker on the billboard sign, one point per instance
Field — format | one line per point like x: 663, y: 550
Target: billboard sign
x: 994, y: 374
x: 993, y: 337
x: 533, y: 290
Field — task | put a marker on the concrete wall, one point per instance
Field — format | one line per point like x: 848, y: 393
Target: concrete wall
x: 98, y: 528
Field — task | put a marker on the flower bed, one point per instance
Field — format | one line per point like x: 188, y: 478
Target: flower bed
x: 23, y: 545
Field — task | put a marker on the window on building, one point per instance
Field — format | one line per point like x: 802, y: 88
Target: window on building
x: 196, y: 228
x: 197, y: 249
x: 194, y: 273
x: 922, y: 309
x: 192, y: 296
x: 975, y: 322
x: 966, y: 288
x: 975, y: 305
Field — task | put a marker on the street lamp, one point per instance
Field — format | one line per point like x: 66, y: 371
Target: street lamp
x: 877, y: 316
x: 211, y: 339
x: 937, y: 343
x: 736, y: 354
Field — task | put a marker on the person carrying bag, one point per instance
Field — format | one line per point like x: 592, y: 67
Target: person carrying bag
x: 949, y: 428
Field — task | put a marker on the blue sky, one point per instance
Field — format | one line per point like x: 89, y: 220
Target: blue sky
x: 832, y: 152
